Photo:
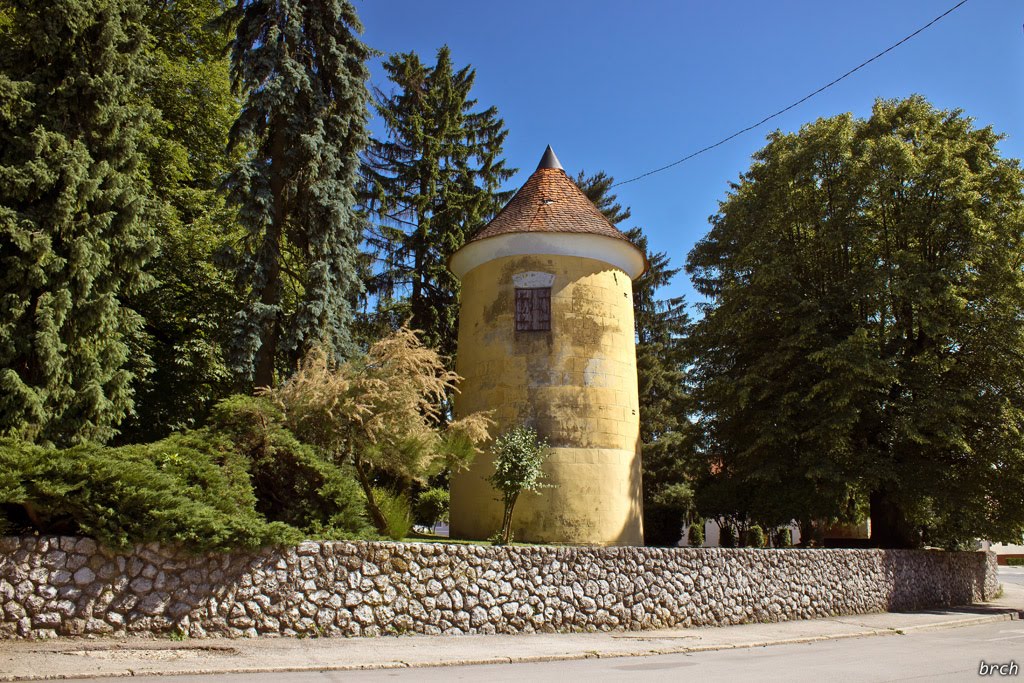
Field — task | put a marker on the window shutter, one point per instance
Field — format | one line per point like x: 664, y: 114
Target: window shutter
x: 524, y: 309
x: 542, y: 309
x: 533, y: 309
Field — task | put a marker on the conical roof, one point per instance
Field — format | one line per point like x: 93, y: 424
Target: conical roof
x: 549, y: 201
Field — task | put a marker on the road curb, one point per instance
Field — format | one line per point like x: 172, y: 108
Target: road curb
x: 864, y: 632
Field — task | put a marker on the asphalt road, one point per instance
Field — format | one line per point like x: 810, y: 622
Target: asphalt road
x: 1012, y: 575
x: 946, y: 655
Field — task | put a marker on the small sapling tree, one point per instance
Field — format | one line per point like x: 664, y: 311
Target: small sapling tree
x: 518, y: 458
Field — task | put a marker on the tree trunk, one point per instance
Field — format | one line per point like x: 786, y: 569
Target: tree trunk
x: 889, y: 526
x: 371, y: 504
x: 33, y: 516
x: 810, y: 534
x: 270, y: 293
x: 506, y: 522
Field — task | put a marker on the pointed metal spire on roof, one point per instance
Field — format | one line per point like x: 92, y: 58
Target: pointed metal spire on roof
x: 549, y: 160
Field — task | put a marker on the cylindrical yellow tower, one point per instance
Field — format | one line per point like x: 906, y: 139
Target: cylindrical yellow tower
x: 546, y: 340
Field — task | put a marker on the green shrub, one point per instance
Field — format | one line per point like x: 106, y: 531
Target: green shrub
x: 726, y: 536
x: 695, y: 534
x: 782, y: 538
x: 292, y: 482
x: 1015, y: 561
x: 380, y: 413
x: 666, y: 512
x: 755, y: 537
x: 191, y: 489
x: 397, y: 513
x: 432, y: 507
x: 244, y: 481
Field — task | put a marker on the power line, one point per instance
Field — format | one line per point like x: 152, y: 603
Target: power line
x: 798, y: 102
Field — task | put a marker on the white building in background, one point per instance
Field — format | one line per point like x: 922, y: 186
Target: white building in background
x: 1004, y: 551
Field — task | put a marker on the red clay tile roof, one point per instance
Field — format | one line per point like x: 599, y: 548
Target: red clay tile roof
x: 549, y: 202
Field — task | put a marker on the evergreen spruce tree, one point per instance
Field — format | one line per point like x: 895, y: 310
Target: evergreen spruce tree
x: 74, y: 234
x: 662, y: 355
x: 431, y: 183
x: 302, y: 70
x: 666, y: 404
x: 597, y: 188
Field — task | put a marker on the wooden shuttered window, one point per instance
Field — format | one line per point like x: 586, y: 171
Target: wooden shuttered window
x: 533, y: 309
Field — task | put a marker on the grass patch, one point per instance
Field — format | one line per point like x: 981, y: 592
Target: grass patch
x: 397, y: 512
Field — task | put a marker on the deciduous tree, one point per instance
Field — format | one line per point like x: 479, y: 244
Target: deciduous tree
x: 519, y: 457
x: 187, y: 312
x: 864, y: 332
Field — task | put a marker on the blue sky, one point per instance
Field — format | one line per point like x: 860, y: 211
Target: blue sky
x: 626, y: 87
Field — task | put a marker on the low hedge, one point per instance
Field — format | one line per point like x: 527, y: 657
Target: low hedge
x: 189, y: 489
x: 243, y: 482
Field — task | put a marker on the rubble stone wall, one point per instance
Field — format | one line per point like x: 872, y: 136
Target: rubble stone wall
x: 53, y: 586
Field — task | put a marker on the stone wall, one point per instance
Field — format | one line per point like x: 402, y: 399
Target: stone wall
x: 69, y: 586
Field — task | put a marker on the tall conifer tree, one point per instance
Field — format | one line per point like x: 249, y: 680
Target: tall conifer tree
x: 666, y: 404
x: 73, y: 231
x: 302, y: 69
x: 431, y: 183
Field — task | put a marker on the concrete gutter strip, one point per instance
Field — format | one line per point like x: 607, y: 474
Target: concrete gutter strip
x: 76, y: 658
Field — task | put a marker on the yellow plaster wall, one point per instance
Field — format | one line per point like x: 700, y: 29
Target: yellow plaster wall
x: 576, y: 384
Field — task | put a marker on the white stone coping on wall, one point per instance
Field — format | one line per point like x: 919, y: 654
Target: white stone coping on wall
x: 54, y: 585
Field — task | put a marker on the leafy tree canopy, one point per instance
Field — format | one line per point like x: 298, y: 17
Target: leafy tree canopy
x: 862, y: 340
x: 186, y: 312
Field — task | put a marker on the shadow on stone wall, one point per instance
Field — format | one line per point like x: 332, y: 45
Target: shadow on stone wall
x: 922, y: 579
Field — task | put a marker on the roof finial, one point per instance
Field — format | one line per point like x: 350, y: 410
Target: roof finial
x: 549, y: 160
